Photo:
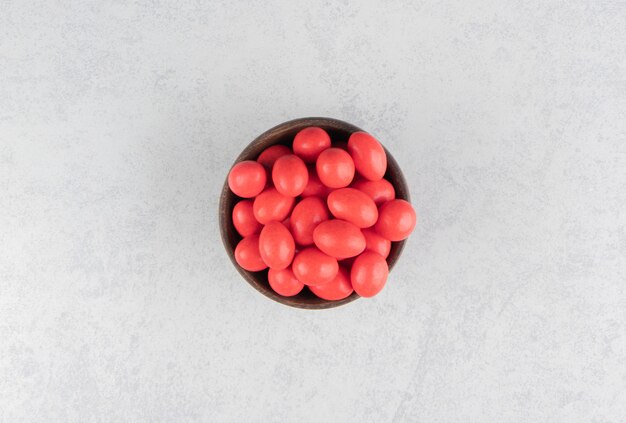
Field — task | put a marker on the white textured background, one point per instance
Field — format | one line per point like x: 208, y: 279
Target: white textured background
x: 119, y: 121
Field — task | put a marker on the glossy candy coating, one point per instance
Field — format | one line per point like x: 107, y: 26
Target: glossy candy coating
x: 276, y: 245
x: 290, y: 175
x: 247, y: 179
x: 396, y: 221
x: 310, y: 142
x: 247, y: 254
x: 379, y: 191
x: 312, y: 267
x: 339, y: 239
x: 369, y: 274
x: 272, y: 205
x: 284, y: 282
x: 269, y: 156
x: 243, y: 219
x: 306, y: 215
x: 335, y: 168
x: 376, y: 242
x: 368, y: 154
x: 354, y: 206
x: 337, y: 289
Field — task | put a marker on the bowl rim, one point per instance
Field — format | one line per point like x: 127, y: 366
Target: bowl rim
x: 274, y: 135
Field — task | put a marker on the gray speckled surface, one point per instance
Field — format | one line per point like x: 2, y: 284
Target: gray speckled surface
x: 118, y: 124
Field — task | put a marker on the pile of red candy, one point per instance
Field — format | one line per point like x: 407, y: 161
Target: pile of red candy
x: 319, y: 215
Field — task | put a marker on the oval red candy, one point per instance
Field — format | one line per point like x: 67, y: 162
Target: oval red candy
x: 396, y: 221
x: 306, y: 215
x: 247, y: 254
x: 276, y: 246
x: 354, y: 206
x: 269, y: 156
x: 284, y: 282
x: 247, y: 179
x: 310, y: 142
x: 339, y: 239
x: 369, y: 274
x: 290, y: 175
x: 272, y: 205
x: 335, y: 168
x: 312, y: 267
x: 243, y: 219
x: 379, y: 191
x: 376, y: 243
x: 368, y: 154
x: 335, y: 290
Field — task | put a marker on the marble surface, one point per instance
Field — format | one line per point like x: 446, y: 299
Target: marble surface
x: 119, y: 121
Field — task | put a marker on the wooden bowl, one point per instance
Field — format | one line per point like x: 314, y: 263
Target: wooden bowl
x: 284, y: 134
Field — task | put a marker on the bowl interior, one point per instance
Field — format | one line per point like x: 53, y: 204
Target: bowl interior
x: 284, y: 133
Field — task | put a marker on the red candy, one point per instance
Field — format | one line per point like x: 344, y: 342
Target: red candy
x: 247, y: 254
x: 310, y: 142
x: 339, y: 239
x: 312, y: 267
x: 315, y: 187
x: 376, y: 243
x: 290, y: 175
x: 284, y: 282
x: 276, y: 246
x: 369, y: 156
x: 269, y: 156
x: 337, y: 289
x: 305, y: 217
x: 397, y: 220
x: 369, y: 274
x: 379, y: 191
x: 243, y: 219
x: 271, y: 205
x: 335, y: 168
x: 247, y: 179
x: 311, y: 222
x: 354, y: 206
